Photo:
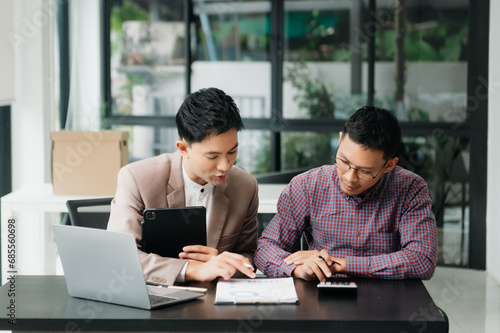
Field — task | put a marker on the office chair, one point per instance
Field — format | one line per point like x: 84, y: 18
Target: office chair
x: 447, y: 321
x: 91, y: 213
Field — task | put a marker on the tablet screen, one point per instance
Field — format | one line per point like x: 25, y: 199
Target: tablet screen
x: 165, y: 231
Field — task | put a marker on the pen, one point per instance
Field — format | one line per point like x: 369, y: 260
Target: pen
x: 195, y: 289
x: 334, y: 262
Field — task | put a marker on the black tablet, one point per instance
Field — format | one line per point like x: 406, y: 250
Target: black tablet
x: 165, y: 231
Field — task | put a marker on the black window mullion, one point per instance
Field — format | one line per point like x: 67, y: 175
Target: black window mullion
x: 371, y: 56
x: 276, y: 54
x: 106, y: 58
x: 188, y: 19
x: 5, y: 151
x: 64, y: 59
x: 477, y: 110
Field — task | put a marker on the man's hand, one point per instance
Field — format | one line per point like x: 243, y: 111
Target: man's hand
x: 315, y: 264
x: 338, y: 266
x: 300, y: 257
x: 224, y: 265
x: 198, y: 253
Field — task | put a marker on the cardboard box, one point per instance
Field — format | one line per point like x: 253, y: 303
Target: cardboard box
x: 87, y: 163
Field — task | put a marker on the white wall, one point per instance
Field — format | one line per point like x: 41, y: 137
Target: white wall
x: 34, y: 111
x: 6, y: 53
x: 31, y: 123
x: 493, y: 194
x: 32, y: 120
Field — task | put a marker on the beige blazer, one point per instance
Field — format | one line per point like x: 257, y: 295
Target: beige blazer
x: 157, y: 182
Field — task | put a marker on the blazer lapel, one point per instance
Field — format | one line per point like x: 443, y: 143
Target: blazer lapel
x: 175, y: 188
x: 217, y: 219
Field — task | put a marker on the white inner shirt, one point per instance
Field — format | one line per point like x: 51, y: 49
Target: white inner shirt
x: 198, y: 195
x: 195, y: 195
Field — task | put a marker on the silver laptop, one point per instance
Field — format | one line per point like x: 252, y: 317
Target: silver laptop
x: 104, y: 266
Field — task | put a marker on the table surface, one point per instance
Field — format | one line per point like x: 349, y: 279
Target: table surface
x: 42, y: 303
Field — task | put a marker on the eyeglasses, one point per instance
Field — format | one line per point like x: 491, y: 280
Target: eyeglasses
x: 362, y: 174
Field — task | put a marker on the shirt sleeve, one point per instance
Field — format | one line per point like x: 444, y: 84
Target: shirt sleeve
x: 283, y: 231
x: 181, y: 277
x: 417, y: 254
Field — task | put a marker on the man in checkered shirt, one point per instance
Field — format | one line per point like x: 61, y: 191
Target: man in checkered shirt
x: 363, y: 216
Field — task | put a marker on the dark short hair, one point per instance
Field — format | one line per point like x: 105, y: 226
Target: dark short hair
x: 375, y: 128
x: 207, y: 112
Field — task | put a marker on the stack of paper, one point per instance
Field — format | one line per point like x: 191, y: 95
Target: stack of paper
x: 251, y: 291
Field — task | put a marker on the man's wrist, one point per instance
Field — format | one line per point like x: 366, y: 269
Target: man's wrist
x: 192, y: 271
x: 339, y: 265
x: 294, y: 272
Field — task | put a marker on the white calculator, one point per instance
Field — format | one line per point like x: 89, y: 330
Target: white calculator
x: 341, y: 287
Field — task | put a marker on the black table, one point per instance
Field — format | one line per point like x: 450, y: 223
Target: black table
x: 42, y: 303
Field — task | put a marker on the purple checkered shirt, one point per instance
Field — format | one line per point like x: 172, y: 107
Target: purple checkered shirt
x: 390, y: 233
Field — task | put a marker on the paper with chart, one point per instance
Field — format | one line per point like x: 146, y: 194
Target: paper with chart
x: 251, y: 291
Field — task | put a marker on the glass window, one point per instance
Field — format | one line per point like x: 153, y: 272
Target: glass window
x: 318, y: 59
x: 147, y: 56
x: 301, y: 150
x: 232, y: 54
x: 444, y: 163
x: 424, y: 74
x: 254, y: 151
x: 421, y: 77
x: 232, y: 30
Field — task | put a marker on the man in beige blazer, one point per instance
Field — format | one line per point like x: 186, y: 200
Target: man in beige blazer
x: 201, y: 172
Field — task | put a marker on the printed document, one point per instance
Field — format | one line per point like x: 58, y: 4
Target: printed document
x: 252, y: 291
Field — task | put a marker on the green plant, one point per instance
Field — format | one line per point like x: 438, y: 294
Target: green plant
x: 437, y: 42
x: 312, y: 95
x: 129, y: 11
x: 341, y: 55
x: 316, y: 99
x: 452, y: 48
x: 303, y: 150
x: 263, y: 157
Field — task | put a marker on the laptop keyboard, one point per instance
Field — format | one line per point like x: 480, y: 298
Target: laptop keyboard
x: 156, y: 300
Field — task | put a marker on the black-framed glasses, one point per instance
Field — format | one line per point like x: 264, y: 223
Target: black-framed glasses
x: 364, y: 175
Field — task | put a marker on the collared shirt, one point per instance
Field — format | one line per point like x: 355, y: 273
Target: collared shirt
x: 198, y: 195
x: 390, y: 233
x: 195, y: 195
